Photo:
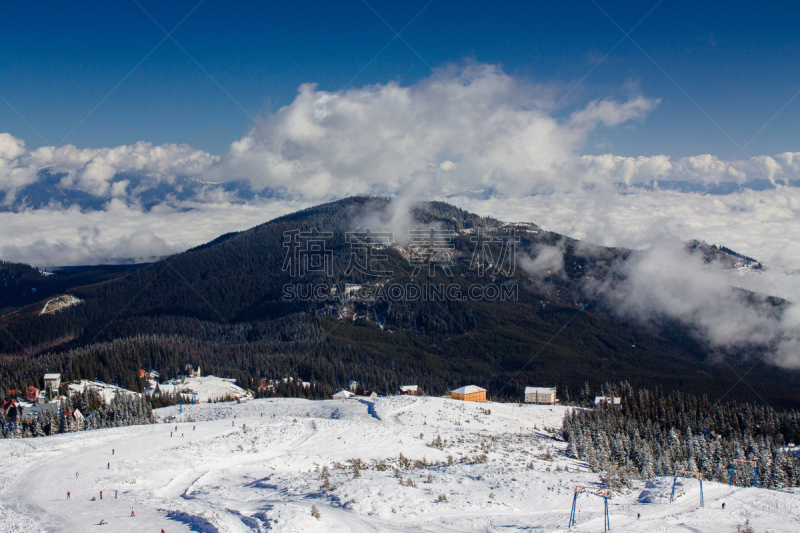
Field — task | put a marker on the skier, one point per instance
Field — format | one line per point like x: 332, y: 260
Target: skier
x: 112, y: 451
x: 723, y: 505
x: 233, y: 423
x: 194, y: 427
x: 101, y: 494
x: 638, y: 516
x: 76, y: 475
x: 181, y: 435
x: 108, y: 467
x: 115, y: 494
x: 170, y: 434
x: 132, y: 514
x: 68, y: 495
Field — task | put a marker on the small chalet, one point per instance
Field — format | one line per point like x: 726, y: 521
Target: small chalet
x: 470, y: 393
x: 53, y: 381
x: 33, y: 394
x: 541, y: 395
x: 409, y: 390
x: 9, y: 408
x: 193, y: 371
x: 607, y: 400
x: 343, y: 395
x: 366, y: 393
x: 142, y: 373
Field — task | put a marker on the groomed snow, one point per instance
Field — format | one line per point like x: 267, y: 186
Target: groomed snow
x: 261, y: 471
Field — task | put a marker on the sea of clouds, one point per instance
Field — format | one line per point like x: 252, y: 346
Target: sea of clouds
x: 471, y: 135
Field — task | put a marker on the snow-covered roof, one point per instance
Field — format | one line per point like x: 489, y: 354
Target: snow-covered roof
x: 469, y: 389
x: 408, y: 387
x: 607, y: 399
x: 52, y: 376
x: 540, y: 390
x: 343, y: 394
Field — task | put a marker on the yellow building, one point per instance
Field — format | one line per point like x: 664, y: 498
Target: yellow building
x: 470, y: 393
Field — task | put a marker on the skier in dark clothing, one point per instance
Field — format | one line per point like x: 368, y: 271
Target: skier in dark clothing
x: 68, y: 495
x: 101, y: 494
x: 109, y: 466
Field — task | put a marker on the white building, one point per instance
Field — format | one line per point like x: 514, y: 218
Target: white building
x: 541, y: 395
x: 53, y: 380
x: 343, y: 395
x: 410, y: 390
x: 615, y: 401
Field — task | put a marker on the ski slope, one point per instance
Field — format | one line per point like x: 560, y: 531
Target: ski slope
x: 257, y: 466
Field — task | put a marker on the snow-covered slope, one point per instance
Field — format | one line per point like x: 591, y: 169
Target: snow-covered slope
x: 204, y: 388
x: 258, y: 466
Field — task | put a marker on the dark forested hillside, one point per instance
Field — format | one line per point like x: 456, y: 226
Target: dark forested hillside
x: 22, y: 285
x: 241, y: 308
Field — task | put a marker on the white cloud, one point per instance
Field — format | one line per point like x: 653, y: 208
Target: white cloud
x: 665, y: 281
x: 545, y: 261
x: 464, y: 128
x: 92, y: 170
x: 55, y: 237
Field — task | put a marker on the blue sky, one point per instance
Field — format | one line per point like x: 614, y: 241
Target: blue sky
x: 736, y: 61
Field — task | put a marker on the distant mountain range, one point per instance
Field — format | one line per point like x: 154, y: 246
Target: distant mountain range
x: 145, y: 190
x: 309, y: 295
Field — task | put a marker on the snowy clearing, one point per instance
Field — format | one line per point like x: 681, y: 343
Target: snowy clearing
x: 59, y: 303
x: 203, y: 388
x: 464, y: 467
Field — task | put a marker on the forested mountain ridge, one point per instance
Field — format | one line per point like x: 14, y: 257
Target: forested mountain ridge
x: 224, y: 305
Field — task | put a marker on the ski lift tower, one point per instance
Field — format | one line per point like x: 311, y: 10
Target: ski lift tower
x: 597, y: 491
x: 687, y: 473
x: 755, y: 470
